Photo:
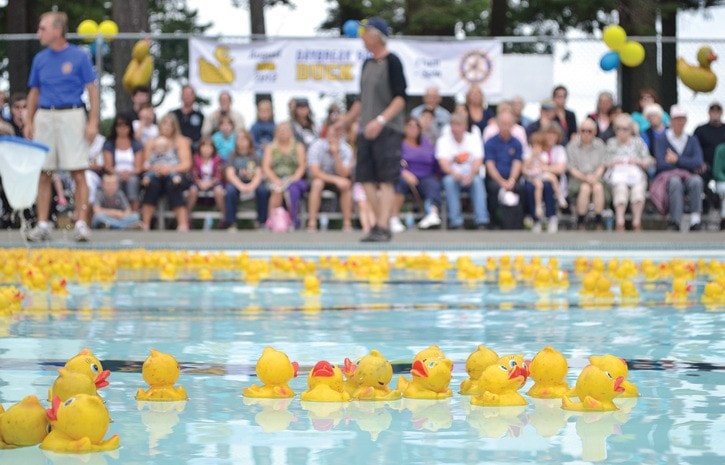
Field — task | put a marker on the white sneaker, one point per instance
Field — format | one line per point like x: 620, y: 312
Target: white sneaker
x: 396, y: 226
x: 38, y: 234
x: 430, y: 220
x: 82, y: 233
x: 536, y: 228
x: 553, y: 225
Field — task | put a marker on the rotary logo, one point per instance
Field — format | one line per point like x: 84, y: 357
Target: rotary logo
x: 475, y: 67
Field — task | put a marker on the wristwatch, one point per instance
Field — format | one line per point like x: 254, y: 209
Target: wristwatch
x: 381, y: 119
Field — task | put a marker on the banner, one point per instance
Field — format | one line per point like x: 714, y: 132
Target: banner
x: 333, y: 65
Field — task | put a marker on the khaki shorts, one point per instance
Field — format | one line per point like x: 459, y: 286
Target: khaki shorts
x: 63, y: 131
x: 621, y: 192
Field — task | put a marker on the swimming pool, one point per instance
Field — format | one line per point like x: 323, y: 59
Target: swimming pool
x: 218, y: 328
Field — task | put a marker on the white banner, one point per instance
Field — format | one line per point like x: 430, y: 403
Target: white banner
x: 333, y: 65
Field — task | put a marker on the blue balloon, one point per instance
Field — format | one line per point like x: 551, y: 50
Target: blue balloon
x: 350, y: 28
x: 609, y: 61
x: 104, y: 49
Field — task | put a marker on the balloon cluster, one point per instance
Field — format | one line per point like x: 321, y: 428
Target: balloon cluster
x: 351, y: 28
x: 627, y: 52
x: 89, y: 29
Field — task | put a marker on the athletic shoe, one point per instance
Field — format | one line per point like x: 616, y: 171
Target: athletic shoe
x: 536, y: 228
x: 82, y: 233
x: 377, y: 235
x: 38, y: 234
x: 431, y: 220
x: 553, y: 225
x: 396, y: 226
x: 696, y: 227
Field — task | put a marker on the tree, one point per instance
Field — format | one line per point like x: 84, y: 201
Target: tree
x: 131, y: 16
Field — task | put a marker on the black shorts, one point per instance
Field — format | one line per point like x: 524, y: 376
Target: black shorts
x: 378, y: 160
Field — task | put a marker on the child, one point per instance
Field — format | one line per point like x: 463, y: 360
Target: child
x: 161, y: 153
x: 111, y: 208
x: 535, y: 174
x: 263, y: 129
x: 244, y: 178
x: 145, y: 128
x: 207, y: 174
x: 225, y: 138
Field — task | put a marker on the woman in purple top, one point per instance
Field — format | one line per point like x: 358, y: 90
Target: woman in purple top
x: 418, y: 177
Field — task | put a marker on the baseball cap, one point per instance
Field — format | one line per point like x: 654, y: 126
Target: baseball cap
x: 378, y: 23
x: 715, y: 105
x: 547, y: 104
x: 678, y: 111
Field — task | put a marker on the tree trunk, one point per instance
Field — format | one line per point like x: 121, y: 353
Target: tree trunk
x: 131, y: 16
x: 22, y: 19
x: 639, y: 18
x: 256, y: 18
x: 497, y: 21
x: 669, y: 96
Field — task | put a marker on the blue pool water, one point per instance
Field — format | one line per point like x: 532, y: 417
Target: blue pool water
x: 218, y: 329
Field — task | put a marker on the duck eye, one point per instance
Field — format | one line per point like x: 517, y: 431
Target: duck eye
x: 609, y: 374
x: 523, y: 365
x: 94, y: 368
x: 503, y: 368
x: 431, y: 364
x: 48, y: 428
x: 512, y: 363
x: 69, y: 401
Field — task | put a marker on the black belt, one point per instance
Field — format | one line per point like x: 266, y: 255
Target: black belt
x: 64, y: 107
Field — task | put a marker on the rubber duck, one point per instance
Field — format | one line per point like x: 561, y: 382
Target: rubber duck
x: 616, y: 366
x: 430, y: 380
x: 596, y: 390
x: 325, y: 384
x: 204, y: 274
x: 140, y: 68
x: 311, y: 284
x: 548, y: 370
x: 85, y: 362
x: 371, y: 377
x: 78, y: 426
x: 23, y: 424
x: 628, y: 293
x: 506, y: 280
x: 698, y: 78
x: 515, y: 360
x: 69, y: 383
x: 59, y: 286
x: 275, y: 370
x: 479, y: 360
x: 160, y: 371
x: 499, y: 387
x: 433, y: 352
x: 713, y: 294
x: 680, y: 291
x: 213, y: 74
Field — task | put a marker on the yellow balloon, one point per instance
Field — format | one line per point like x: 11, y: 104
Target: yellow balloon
x: 87, y: 29
x: 108, y: 28
x: 632, y: 54
x: 615, y: 37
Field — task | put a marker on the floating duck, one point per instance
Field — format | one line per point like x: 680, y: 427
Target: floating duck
x: 70, y: 383
x: 506, y: 280
x: 515, y: 360
x: 616, y: 367
x: 548, y: 370
x: 478, y: 361
x: 311, y: 284
x: 499, y: 385
x: 160, y: 371
x: 430, y: 353
x: 78, y: 426
x: 698, y: 78
x: 430, y: 380
x: 23, y: 424
x: 713, y: 294
x: 371, y: 378
x: 212, y: 74
x: 140, y: 68
x: 275, y: 370
x: 628, y: 293
x: 680, y: 291
x: 326, y: 384
x: 596, y: 390
x: 85, y: 362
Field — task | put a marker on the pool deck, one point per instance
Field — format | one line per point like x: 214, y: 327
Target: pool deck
x: 430, y: 241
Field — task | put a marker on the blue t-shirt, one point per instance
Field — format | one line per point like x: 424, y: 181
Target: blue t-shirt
x: 502, y: 153
x: 224, y: 145
x: 61, y: 76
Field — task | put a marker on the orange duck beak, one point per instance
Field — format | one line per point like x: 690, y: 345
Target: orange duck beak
x: 323, y: 368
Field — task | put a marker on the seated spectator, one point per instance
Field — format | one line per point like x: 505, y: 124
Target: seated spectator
x: 140, y: 97
x: 263, y: 129
x: 18, y: 109
x: 330, y: 162
x: 600, y: 116
x: 586, y: 163
x: 718, y: 174
x: 225, y: 138
x: 517, y: 130
x: 608, y: 133
x: 647, y: 96
x: 562, y: 115
x: 284, y: 167
x: 123, y: 156
x: 653, y: 113
x: 553, y: 163
x: 190, y: 119
x: 111, y: 208
x: 477, y: 109
x: 535, y: 174
x: 517, y: 106
x: 144, y: 127
x: 432, y: 101
x: 460, y: 155
x: 302, y: 121
x: 213, y: 121
x: 418, y: 177
x: 628, y: 161
x: 711, y: 135
x: 546, y: 117
x: 428, y: 126
x: 170, y: 174
x: 207, y: 176
x: 333, y: 116
x: 162, y: 152
x: 244, y: 178
x: 679, y: 162
x: 504, y: 155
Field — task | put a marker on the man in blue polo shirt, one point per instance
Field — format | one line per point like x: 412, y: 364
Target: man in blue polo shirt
x: 56, y: 117
x: 503, y: 158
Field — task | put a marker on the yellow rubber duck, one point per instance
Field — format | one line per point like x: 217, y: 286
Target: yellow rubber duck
x: 506, y: 280
x: 713, y: 294
x: 479, y: 360
x: 616, y: 366
x: 680, y: 291
x: 548, y: 370
x: 23, y: 424
x: 596, y: 390
x: 311, y: 285
x: 275, y: 370
x: 433, y: 352
x: 325, y: 384
x: 371, y: 377
x: 161, y: 371
x: 78, y: 425
x: 85, y: 362
x: 430, y: 379
x: 70, y: 383
x: 512, y: 361
x: 141, y: 67
x: 628, y: 293
x: 213, y: 74
x: 499, y: 387
x: 698, y: 78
